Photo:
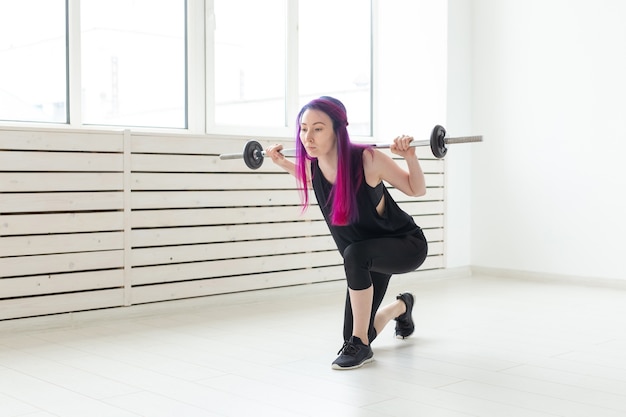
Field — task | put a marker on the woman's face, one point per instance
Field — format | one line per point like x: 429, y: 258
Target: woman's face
x: 317, y: 133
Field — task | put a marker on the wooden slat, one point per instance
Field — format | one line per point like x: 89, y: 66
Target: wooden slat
x: 229, y: 250
x: 433, y: 166
x: 67, y: 140
x: 62, y: 303
x: 68, y: 262
x: 434, y: 235
x: 232, y: 267
x: 419, y: 208
x: 28, y: 182
x: 60, y: 283
x: 147, y: 143
x: 199, y: 199
x: 60, y: 161
x: 253, y: 215
x: 432, y: 194
x: 205, y: 199
x: 230, y: 181
x: 432, y: 262
x: 63, y: 243
x: 430, y: 221
x: 196, y: 163
x: 30, y: 224
x: 56, y: 202
x: 239, y: 166
x: 198, y: 288
x: 435, y: 248
x: 434, y: 180
x: 175, y: 144
x: 221, y: 216
x: 228, y: 233
x: 127, y: 252
x: 173, y: 163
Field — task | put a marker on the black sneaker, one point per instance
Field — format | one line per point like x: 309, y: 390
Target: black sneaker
x: 404, y: 322
x: 353, y: 354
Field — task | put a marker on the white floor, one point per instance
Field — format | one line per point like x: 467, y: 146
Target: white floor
x: 483, y: 347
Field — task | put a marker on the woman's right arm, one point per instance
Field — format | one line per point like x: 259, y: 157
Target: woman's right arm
x: 279, y: 159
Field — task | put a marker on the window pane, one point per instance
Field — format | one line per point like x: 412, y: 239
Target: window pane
x: 33, y: 61
x: 133, y: 62
x: 335, y: 56
x: 250, y: 44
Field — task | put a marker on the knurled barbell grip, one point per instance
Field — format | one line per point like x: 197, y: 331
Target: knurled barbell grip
x: 463, y: 139
x: 225, y: 156
x: 447, y: 141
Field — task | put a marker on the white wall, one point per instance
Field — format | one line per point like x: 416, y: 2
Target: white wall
x: 410, y: 68
x: 549, y: 95
x: 459, y: 122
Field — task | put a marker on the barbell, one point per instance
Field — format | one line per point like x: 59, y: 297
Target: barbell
x: 253, y: 153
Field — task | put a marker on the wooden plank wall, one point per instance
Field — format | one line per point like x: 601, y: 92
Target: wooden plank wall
x: 99, y: 219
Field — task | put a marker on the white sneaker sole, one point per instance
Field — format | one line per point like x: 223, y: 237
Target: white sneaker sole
x: 347, y: 368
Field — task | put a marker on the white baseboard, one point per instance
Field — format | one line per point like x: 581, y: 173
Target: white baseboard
x: 549, y: 277
x: 435, y: 274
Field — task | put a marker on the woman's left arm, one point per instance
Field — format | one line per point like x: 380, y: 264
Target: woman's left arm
x: 411, y: 183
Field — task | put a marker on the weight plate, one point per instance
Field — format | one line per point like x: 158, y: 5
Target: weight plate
x: 253, y: 154
x: 437, y: 142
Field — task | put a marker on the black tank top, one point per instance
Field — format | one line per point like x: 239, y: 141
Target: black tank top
x: 394, y: 222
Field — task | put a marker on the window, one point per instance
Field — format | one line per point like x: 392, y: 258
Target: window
x: 335, y: 56
x: 256, y: 79
x: 33, y: 61
x: 133, y: 63
x: 216, y: 66
x: 250, y: 62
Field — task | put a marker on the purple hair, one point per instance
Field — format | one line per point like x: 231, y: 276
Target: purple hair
x: 344, y: 208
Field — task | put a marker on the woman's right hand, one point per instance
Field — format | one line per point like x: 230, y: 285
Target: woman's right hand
x: 273, y: 151
x: 279, y: 159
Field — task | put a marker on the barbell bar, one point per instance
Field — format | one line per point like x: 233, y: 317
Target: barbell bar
x: 253, y: 153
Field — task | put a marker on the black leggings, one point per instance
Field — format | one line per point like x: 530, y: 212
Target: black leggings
x: 372, y: 262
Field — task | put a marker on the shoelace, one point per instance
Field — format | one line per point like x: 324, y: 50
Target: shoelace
x: 348, y: 348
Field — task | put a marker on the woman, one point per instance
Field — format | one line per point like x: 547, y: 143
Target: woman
x: 374, y: 236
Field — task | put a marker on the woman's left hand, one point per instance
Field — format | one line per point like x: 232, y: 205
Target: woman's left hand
x: 400, y: 146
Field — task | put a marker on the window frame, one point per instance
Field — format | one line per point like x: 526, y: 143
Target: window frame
x: 200, y: 76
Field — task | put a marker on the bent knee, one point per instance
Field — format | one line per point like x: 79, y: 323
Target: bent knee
x: 353, y: 257
x: 356, y: 266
